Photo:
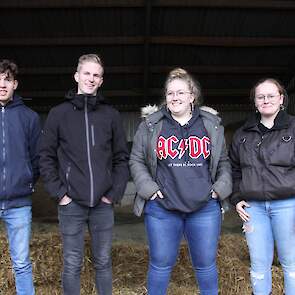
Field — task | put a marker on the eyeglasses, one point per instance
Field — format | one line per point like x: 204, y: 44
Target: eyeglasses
x: 178, y: 93
x: 270, y: 97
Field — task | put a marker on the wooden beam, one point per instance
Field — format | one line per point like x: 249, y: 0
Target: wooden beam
x: 224, y: 41
x: 159, y: 70
x: 133, y: 93
x: 146, y: 49
x: 222, y: 69
x: 159, y: 40
x: 272, y: 4
x: 70, y: 3
x: 71, y: 41
x: 249, y: 4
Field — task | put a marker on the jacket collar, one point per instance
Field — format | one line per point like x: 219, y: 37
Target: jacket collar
x: 282, y: 121
x: 78, y: 100
x: 203, y: 112
x: 16, y: 101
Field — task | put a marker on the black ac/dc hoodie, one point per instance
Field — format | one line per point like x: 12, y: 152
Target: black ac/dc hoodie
x: 183, y: 164
x: 83, y: 151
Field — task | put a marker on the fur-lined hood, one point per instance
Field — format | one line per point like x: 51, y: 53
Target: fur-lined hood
x: 150, y: 109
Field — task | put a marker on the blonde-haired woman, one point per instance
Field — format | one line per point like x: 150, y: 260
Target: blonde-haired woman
x: 181, y: 171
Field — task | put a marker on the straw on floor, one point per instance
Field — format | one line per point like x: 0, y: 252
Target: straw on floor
x: 129, y: 268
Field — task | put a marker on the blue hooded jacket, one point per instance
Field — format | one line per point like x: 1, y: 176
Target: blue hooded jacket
x: 19, y: 133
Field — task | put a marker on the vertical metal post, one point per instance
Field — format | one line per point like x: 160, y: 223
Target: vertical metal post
x: 148, y: 12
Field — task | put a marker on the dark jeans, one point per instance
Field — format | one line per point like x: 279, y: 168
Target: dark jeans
x: 73, y: 219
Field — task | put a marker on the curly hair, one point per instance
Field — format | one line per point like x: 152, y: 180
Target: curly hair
x: 9, y: 67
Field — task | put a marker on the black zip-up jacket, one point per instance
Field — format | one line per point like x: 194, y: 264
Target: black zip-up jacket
x: 263, y: 163
x: 83, y: 151
x: 19, y: 133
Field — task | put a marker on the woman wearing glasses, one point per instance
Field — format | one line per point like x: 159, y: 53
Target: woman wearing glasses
x: 263, y: 167
x: 181, y: 171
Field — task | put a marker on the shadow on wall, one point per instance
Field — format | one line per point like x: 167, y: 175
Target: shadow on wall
x: 45, y: 208
x: 229, y: 131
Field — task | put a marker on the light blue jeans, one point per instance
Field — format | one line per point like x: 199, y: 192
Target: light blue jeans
x: 271, y: 222
x: 165, y: 230
x: 18, y: 228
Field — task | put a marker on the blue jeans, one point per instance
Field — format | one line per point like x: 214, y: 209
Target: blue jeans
x: 18, y: 227
x: 271, y: 222
x: 165, y: 230
x: 73, y: 219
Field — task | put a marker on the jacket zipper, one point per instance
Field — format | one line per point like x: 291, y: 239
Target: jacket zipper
x: 67, y: 177
x: 3, y: 154
x: 88, y: 152
x: 92, y: 135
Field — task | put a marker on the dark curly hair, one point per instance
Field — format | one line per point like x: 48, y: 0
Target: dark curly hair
x: 9, y: 67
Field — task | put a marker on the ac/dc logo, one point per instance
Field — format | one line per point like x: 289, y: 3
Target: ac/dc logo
x: 173, y: 147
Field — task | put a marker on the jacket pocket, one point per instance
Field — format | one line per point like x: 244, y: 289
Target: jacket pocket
x: 283, y: 153
x: 246, y: 149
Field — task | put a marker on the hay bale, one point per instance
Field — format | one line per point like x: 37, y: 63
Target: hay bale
x: 130, y: 262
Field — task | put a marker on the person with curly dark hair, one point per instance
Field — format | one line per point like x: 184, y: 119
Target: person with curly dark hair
x: 19, y: 132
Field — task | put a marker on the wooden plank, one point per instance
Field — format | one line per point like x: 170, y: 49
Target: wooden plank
x: 159, y: 70
x: 224, y: 41
x: 247, y: 4
x: 69, y: 3
x: 146, y: 49
x: 159, y: 40
x: 272, y: 4
x: 71, y: 41
x: 133, y: 93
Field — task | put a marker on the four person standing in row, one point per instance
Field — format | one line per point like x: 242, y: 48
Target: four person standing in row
x: 181, y: 171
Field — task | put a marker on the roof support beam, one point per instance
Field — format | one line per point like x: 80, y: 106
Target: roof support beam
x: 135, y: 93
x: 146, y: 55
x: 159, y: 70
x: 263, y: 4
x: 158, y: 40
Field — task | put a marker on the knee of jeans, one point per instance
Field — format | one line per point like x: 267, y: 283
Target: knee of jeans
x: 102, y: 263
x: 162, y: 261
x: 23, y: 267
x: 206, y: 268
x: 161, y: 268
x: 73, y: 263
x: 289, y: 270
x: 257, y: 276
x: 291, y: 274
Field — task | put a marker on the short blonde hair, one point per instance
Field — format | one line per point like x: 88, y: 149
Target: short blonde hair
x: 89, y: 58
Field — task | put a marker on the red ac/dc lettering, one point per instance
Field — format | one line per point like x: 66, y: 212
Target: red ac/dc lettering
x: 172, y: 147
